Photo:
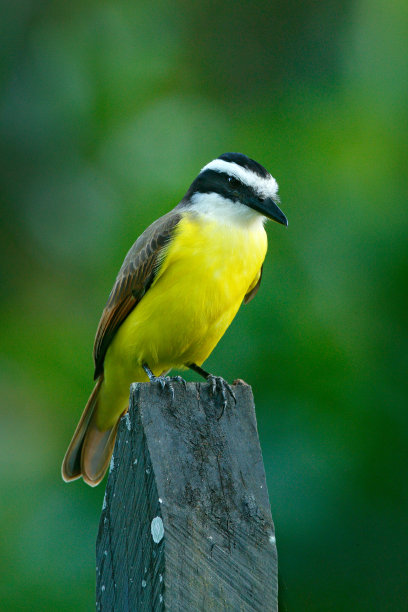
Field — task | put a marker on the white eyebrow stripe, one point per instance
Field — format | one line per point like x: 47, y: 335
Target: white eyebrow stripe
x: 264, y: 187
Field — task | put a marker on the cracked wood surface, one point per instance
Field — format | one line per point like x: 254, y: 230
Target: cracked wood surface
x: 186, y: 522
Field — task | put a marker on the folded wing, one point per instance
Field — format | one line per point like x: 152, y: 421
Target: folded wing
x: 134, y: 279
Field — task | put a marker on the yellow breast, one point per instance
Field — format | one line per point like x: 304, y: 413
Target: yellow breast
x: 205, y: 272
x: 204, y: 275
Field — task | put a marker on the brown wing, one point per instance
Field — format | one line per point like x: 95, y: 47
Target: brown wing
x: 252, y: 292
x: 134, y: 279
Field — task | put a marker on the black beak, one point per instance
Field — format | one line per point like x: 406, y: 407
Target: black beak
x: 270, y: 209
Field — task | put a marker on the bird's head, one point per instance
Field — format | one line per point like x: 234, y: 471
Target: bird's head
x: 236, y: 185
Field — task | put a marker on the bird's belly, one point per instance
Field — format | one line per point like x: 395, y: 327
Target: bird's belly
x: 203, y: 279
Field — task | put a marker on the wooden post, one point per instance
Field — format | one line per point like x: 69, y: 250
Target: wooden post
x: 186, y: 523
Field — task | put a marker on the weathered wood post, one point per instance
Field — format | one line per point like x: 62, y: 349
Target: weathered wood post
x: 186, y: 522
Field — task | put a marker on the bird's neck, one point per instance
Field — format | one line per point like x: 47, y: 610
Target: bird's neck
x: 224, y: 211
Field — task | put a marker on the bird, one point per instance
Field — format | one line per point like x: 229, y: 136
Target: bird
x: 176, y: 293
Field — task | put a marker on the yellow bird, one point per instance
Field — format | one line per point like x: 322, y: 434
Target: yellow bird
x: 180, y: 286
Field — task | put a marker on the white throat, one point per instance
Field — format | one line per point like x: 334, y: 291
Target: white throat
x: 225, y: 211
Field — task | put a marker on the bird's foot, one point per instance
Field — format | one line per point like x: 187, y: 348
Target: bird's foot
x: 219, y: 386
x: 165, y: 382
x: 177, y: 379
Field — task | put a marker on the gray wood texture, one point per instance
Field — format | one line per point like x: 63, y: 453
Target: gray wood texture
x: 186, y: 522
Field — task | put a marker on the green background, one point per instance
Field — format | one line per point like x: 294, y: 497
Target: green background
x: 108, y: 111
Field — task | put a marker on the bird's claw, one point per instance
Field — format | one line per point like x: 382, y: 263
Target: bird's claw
x: 218, y: 384
x: 166, y: 382
x: 180, y: 380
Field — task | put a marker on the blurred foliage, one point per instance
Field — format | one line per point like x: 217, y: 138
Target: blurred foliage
x: 108, y: 111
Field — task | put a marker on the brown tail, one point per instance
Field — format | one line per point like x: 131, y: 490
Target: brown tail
x: 90, y: 450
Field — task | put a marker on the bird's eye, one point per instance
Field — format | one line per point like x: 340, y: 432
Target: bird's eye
x: 233, y: 182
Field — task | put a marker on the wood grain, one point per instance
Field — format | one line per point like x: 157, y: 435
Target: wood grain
x: 186, y: 523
